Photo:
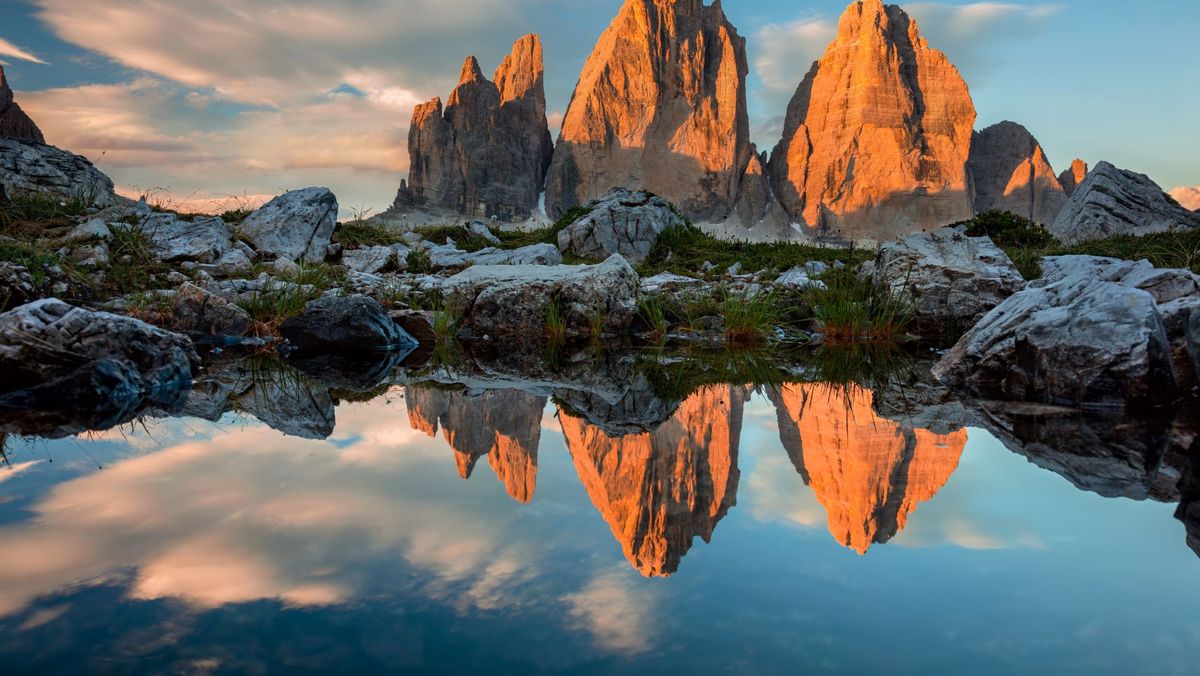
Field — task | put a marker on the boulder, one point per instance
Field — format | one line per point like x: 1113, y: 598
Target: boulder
x: 512, y: 302
x: 1112, y: 202
x: 622, y: 222
x: 197, y: 311
x: 1010, y: 172
x: 369, y: 260
x: 14, y: 123
x: 94, y: 230
x: 46, y: 170
x: 203, y: 240
x: 81, y: 367
x: 232, y: 263
x: 876, y: 138
x: 450, y: 256
x: 1092, y: 331
x: 1194, y: 340
x: 416, y: 323
x: 353, y: 323
x: 951, y: 279
x: 661, y: 106
x: 16, y: 285
x: 801, y: 278
x: 298, y: 225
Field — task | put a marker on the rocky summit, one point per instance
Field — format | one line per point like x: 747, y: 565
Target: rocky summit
x: 1071, y: 178
x: 14, y: 123
x: 486, y: 153
x: 1113, y: 201
x: 1010, y: 172
x: 877, y: 136
x: 660, y: 106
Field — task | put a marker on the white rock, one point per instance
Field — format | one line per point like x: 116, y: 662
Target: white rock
x: 297, y: 224
x: 203, y: 240
x: 952, y: 279
x: 622, y: 222
x: 95, y: 229
x: 286, y: 267
x: 799, y: 279
x: 369, y: 260
x: 1112, y: 201
x: 480, y: 229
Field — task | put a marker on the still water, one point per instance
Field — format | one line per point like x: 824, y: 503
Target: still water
x: 760, y: 530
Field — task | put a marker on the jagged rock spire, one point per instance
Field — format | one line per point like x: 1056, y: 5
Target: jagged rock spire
x: 14, y: 123
x: 486, y: 152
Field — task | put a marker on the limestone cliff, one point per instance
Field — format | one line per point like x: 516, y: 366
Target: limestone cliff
x: 868, y: 472
x: 14, y: 123
x: 1071, y: 178
x: 660, y: 106
x: 486, y: 153
x: 876, y: 138
x: 659, y: 490
x: 1010, y: 172
x: 504, y: 425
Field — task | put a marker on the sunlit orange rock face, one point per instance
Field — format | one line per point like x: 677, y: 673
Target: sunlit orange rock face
x: 1010, y: 172
x: 660, y: 106
x: 659, y: 490
x: 876, y: 138
x: 504, y: 425
x: 868, y: 472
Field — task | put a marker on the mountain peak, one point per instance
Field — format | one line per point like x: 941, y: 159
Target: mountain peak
x: 14, y: 123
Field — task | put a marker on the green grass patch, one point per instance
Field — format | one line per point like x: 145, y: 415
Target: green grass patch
x: 855, y: 310
x: 358, y: 234
x: 751, y: 319
x: 277, y: 302
x: 29, y: 215
x: 463, y: 238
x: 685, y: 249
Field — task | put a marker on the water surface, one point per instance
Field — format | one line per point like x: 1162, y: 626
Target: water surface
x: 743, y: 529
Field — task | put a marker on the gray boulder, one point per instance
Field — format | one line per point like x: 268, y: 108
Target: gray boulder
x: 1112, y: 201
x: 369, y: 260
x: 46, y: 170
x: 298, y: 225
x: 1093, y: 331
x: 622, y: 222
x: 513, y: 301
x: 197, y: 311
x: 93, y: 230
x: 353, y: 323
x: 204, y: 240
x: 16, y: 285
x: 952, y: 279
x: 1194, y: 339
x: 73, y: 369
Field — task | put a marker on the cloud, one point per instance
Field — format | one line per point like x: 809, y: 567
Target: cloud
x: 620, y: 618
x: 200, y: 153
x: 785, y: 51
x: 976, y: 35
x: 9, y: 49
x: 1188, y: 197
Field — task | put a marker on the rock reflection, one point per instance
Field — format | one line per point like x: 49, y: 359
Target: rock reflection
x: 504, y: 425
x: 868, y: 472
x: 658, y: 490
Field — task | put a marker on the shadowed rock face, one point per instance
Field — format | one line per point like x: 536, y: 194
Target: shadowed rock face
x: 504, y: 425
x: 660, y: 106
x: 876, y: 138
x: 1010, y: 172
x: 870, y: 473
x: 487, y: 152
x: 14, y: 123
x: 659, y: 490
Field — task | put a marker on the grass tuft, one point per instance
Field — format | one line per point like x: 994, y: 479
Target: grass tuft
x: 853, y: 309
x: 685, y: 249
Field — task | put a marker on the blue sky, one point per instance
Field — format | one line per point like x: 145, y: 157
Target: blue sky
x: 245, y: 98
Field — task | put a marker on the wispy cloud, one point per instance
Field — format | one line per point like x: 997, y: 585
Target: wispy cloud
x: 1188, y: 197
x: 10, y: 50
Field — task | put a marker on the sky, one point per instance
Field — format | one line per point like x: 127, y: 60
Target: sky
x: 220, y: 104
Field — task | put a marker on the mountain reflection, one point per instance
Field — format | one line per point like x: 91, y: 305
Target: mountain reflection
x: 659, y: 490
x: 504, y: 425
x: 673, y: 475
x: 868, y: 472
